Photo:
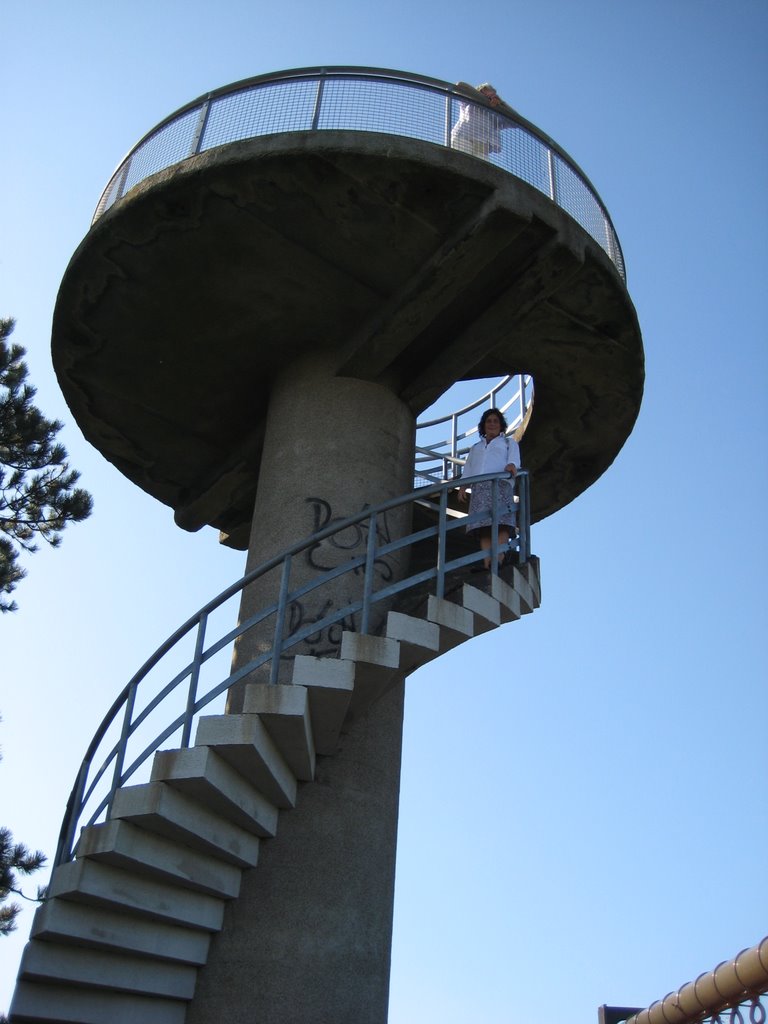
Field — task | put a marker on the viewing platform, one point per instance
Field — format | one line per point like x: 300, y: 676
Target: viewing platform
x: 326, y: 212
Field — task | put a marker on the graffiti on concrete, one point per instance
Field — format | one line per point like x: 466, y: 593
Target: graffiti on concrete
x: 325, y: 640
x: 324, y: 556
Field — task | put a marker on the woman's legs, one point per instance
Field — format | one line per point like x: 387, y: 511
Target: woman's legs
x: 485, y: 543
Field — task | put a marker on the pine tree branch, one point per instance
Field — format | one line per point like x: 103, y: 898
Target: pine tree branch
x: 38, y: 493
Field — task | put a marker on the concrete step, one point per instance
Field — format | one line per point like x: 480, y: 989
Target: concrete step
x: 102, y: 969
x: 329, y: 684
x: 244, y: 743
x: 418, y: 638
x: 128, y: 923
x: 457, y: 624
x: 529, y: 574
x: 160, y: 808
x: 532, y: 572
x: 376, y: 665
x: 100, y: 885
x: 508, y: 598
x: 284, y: 710
x: 123, y: 845
x: 528, y: 602
x: 76, y: 924
x: 485, y: 609
x: 58, y: 1004
x: 202, y: 775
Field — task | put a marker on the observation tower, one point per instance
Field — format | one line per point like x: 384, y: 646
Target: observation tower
x: 279, y: 279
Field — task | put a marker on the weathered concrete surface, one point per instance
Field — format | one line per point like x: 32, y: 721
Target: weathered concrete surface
x: 332, y: 446
x: 399, y: 262
x: 308, y: 940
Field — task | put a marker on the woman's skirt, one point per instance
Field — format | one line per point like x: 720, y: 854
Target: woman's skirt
x: 481, y: 505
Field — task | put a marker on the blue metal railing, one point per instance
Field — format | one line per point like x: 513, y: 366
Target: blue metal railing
x: 110, y: 760
x: 368, y: 100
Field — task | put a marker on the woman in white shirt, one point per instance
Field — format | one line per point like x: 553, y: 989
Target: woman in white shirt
x: 493, y: 453
x: 478, y: 129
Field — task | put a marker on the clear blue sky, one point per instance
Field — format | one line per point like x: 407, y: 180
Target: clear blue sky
x: 583, y: 815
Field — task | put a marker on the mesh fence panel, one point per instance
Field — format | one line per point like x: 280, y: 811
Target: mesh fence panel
x: 391, y: 108
x: 374, y: 104
x: 173, y: 142
x: 266, y: 110
x: 112, y: 192
x: 577, y: 199
x: 526, y: 157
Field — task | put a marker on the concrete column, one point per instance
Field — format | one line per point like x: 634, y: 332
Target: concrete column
x: 332, y: 446
x: 308, y: 939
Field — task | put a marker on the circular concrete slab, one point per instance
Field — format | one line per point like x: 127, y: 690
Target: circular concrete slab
x: 401, y: 262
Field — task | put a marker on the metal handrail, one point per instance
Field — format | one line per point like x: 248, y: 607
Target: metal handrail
x: 351, y: 98
x: 734, y: 986
x: 442, y: 460
x: 107, y: 759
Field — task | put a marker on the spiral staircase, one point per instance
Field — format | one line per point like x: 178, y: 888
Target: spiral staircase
x: 418, y: 267
x: 134, y: 901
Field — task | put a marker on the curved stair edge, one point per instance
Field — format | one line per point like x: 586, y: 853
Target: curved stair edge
x: 127, y: 924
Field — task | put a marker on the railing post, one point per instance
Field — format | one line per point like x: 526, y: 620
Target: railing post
x: 552, y: 176
x: 448, y: 119
x: 370, y: 557
x: 123, y: 178
x: 441, y: 525
x: 125, y: 732
x: 318, y: 101
x: 524, y: 519
x: 193, y: 679
x: 494, y: 551
x: 202, y: 121
x: 277, y: 645
x: 71, y: 817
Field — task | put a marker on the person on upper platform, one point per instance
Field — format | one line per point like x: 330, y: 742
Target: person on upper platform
x: 478, y: 129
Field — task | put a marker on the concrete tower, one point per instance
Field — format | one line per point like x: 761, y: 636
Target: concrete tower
x: 278, y: 280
